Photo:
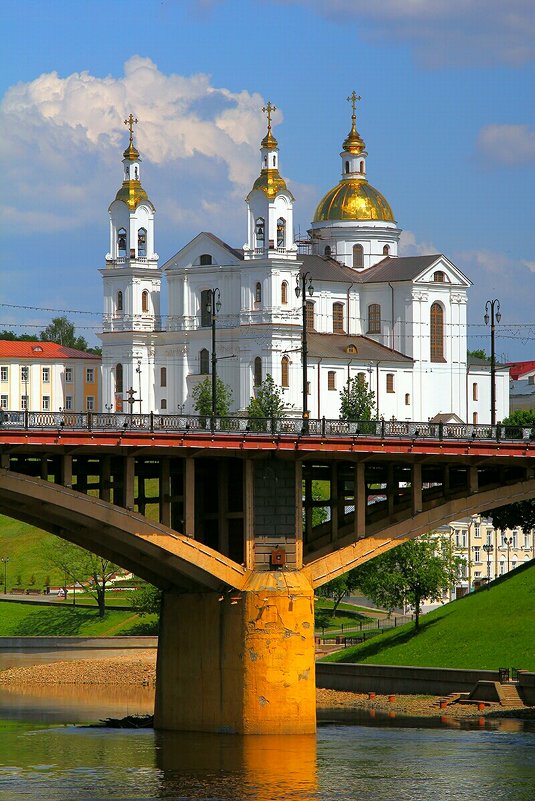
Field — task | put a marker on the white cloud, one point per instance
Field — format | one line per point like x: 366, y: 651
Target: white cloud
x: 408, y: 246
x: 507, y: 144
x: 443, y: 32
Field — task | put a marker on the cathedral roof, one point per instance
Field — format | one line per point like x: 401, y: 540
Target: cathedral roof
x: 397, y: 268
x: 340, y: 346
x: 353, y: 199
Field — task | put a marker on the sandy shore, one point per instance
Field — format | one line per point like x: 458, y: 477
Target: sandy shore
x: 140, y: 671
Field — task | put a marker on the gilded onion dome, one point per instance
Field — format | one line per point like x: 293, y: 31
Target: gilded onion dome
x: 131, y: 192
x: 270, y: 181
x: 353, y: 200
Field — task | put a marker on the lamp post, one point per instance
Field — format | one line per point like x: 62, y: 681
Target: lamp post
x: 213, y: 307
x: 301, y: 288
x: 5, y: 560
x: 489, y: 549
x: 138, y: 371
x: 494, y: 317
x: 508, y: 541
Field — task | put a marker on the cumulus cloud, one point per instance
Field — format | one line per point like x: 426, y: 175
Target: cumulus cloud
x: 63, y: 137
x: 408, y: 246
x: 443, y: 32
x: 507, y: 145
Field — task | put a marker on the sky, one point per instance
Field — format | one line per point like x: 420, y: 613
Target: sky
x: 447, y: 114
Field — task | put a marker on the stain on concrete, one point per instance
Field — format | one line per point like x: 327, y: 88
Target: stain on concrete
x: 262, y: 700
x: 304, y: 675
x: 253, y: 656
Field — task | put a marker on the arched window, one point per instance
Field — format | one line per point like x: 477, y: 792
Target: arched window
x: 163, y: 376
x: 338, y: 318
x: 206, y: 308
x: 347, y: 167
x: 204, y: 362
x: 257, y: 371
x: 374, y: 318
x: 121, y: 242
x: 474, y: 391
x: 439, y: 277
x: 331, y: 379
x: 119, y: 301
x: 474, y: 418
x: 284, y: 292
x: 142, y: 243
x: 327, y: 251
x: 205, y: 259
x: 285, y: 371
x: 390, y: 382
x: 260, y: 232
x: 258, y: 292
x: 386, y: 250
x: 281, y: 232
x: 358, y: 256
x: 145, y: 300
x: 407, y: 399
x: 274, y: 160
x: 361, y: 168
x: 118, y: 378
x: 437, y: 333
x: 310, y: 315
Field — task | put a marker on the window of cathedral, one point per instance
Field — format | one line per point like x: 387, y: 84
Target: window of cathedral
x: 257, y: 371
x: 331, y: 379
x: 285, y: 371
x: 281, y: 232
x: 309, y: 315
x: 284, y: 292
x: 338, y: 318
x: 118, y: 378
x: 390, y: 382
x: 163, y: 376
x: 362, y: 168
x: 327, y: 251
x: 386, y: 250
x: 205, y: 259
x: 260, y: 232
x: 308, y: 387
x: 347, y: 167
x: 474, y: 391
x: 474, y: 418
x: 439, y: 277
x: 206, y: 308
x: 163, y: 403
x: 258, y: 293
x: 119, y: 301
x: 145, y: 300
x: 142, y: 243
x: 121, y: 242
x: 358, y: 256
x: 407, y: 399
x: 437, y: 333
x: 352, y: 348
x: 374, y: 318
x: 204, y: 362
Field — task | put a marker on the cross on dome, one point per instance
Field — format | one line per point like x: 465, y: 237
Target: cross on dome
x: 131, y: 121
x: 269, y: 140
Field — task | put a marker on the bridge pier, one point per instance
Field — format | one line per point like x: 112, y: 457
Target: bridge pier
x: 239, y: 662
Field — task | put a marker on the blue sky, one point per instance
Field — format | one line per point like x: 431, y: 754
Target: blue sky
x: 447, y: 113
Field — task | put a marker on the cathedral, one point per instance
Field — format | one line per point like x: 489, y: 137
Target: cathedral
x: 312, y: 313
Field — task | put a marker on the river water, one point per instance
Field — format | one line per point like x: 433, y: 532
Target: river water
x: 46, y: 754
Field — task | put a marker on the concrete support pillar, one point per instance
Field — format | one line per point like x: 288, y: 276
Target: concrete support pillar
x: 473, y: 485
x: 128, y: 475
x: 248, y: 514
x: 390, y: 489
x: 66, y: 470
x: 359, y: 529
x: 189, y: 497
x: 105, y: 478
x: 239, y: 662
x: 416, y: 488
x: 164, y: 492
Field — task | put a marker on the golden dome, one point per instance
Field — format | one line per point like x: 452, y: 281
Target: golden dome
x: 353, y: 199
x: 269, y: 141
x: 131, y: 152
x: 271, y: 182
x: 131, y: 193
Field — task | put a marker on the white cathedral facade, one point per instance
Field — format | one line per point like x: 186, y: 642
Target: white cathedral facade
x: 398, y: 323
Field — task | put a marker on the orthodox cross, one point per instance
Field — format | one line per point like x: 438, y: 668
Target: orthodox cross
x: 353, y: 97
x: 268, y: 110
x: 131, y: 121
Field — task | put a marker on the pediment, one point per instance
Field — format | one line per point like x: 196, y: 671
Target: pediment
x: 442, y: 271
x: 203, y: 245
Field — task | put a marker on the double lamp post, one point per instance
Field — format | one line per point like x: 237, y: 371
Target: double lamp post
x: 303, y: 285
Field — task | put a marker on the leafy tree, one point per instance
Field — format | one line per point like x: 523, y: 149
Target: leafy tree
x: 62, y: 331
x: 10, y: 336
x: 90, y: 571
x: 339, y: 588
x: 268, y: 403
x: 202, y: 397
x: 357, y: 402
x: 419, y: 569
x: 479, y: 354
x: 146, y: 600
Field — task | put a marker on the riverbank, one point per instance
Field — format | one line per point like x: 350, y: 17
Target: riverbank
x: 140, y: 671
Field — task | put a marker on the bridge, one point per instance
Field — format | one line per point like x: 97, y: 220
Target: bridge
x: 223, y: 516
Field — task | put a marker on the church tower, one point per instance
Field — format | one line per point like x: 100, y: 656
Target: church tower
x: 354, y: 223
x: 132, y: 283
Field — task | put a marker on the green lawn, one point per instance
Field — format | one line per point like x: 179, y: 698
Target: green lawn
x: 22, y: 544
x: 484, y: 630
x: 28, y: 620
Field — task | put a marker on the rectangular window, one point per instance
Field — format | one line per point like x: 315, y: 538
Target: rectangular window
x: 46, y: 375
x: 4, y: 372
x: 89, y: 375
x: 163, y: 376
x: 331, y: 380
x: 68, y: 375
x: 24, y: 373
x: 46, y: 403
x: 23, y: 402
x: 68, y: 403
x: 309, y: 315
x: 206, y: 308
x: 477, y: 530
x: 338, y: 318
x: 308, y: 387
x: 163, y: 403
x: 3, y: 401
x: 390, y: 382
x: 474, y: 418
x: 477, y: 555
x: 90, y: 403
x: 526, y: 533
x: 474, y: 391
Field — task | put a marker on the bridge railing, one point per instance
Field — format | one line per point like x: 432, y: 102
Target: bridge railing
x: 236, y: 424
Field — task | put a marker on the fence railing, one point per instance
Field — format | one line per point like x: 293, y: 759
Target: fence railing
x: 355, y: 632
x: 293, y: 426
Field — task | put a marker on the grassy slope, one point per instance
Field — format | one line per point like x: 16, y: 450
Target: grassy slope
x: 485, y: 630
x: 22, y: 544
x: 26, y: 620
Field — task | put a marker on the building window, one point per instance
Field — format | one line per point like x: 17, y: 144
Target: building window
x: 25, y: 373
x: 407, y: 399
x: 204, y: 362
x: 361, y: 168
x: 477, y: 554
x: 142, y: 243
x: 474, y: 391
x: 163, y: 403
x: 347, y: 167
x: 89, y: 375
x: 374, y: 318
x: 358, y: 256
x: 121, y: 242
x: 386, y: 250
x: 258, y: 293
x: 119, y: 301
x: 3, y: 401
x: 308, y: 387
x: 284, y: 292
x: 281, y: 232
x: 46, y: 375
x: 4, y: 373
x: 145, y: 300
x: 474, y: 418
x: 327, y: 252
x: 68, y: 403
x: 24, y: 402
x: 260, y: 233
x: 68, y: 375
x: 90, y: 403
x: 526, y: 537
x: 163, y: 376
x: 477, y: 530
x: 309, y: 315
x: 206, y: 308
x: 338, y: 318
x: 331, y: 379
x: 390, y: 382
x: 118, y: 378
x: 439, y: 277
x: 257, y: 371
x: 285, y: 371
x: 205, y: 259
x: 437, y: 333
x: 46, y: 403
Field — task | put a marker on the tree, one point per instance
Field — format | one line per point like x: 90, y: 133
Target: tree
x: 202, y: 397
x: 93, y: 573
x: 421, y: 568
x: 339, y: 588
x: 62, y: 331
x: 147, y: 600
x: 479, y: 354
x: 10, y: 336
x: 357, y: 402
x: 268, y: 403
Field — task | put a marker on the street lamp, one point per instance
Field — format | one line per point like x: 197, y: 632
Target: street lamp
x: 213, y: 307
x: 5, y: 560
x: 489, y: 549
x: 494, y: 306
x: 301, y: 289
x: 508, y: 541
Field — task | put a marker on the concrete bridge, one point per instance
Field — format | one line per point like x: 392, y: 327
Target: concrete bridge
x: 225, y: 523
